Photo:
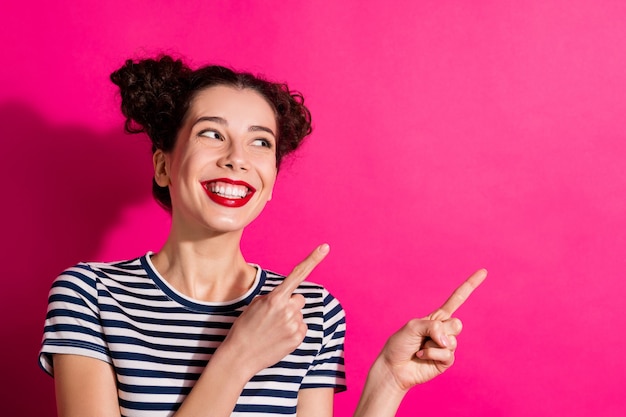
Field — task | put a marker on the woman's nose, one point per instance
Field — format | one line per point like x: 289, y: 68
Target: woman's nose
x: 234, y: 158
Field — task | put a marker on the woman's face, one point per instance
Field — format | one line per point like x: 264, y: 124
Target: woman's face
x: 222, y: 169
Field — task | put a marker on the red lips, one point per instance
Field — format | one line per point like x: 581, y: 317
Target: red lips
x: 213, y: 187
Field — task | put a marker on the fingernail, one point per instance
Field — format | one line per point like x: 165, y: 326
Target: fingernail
x: 324, y: 248
x: 420, y: 353
x: 445, y: 341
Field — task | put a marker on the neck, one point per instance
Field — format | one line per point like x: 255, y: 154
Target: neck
x: 208, y: 269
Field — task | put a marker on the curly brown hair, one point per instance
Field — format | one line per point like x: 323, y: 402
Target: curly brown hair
x: 156, y: 95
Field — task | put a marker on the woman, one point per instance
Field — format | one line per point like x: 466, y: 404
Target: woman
x: 195, y: 330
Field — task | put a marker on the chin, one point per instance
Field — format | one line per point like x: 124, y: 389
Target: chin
x: 229, y: 225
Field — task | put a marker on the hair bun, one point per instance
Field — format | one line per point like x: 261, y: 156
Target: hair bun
x: 151, y: 92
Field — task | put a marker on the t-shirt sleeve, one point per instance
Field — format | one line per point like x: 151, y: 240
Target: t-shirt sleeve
x: 73, y: 319
x: 328, y: 368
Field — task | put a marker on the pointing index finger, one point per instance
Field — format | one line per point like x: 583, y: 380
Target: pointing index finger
x: 459, y: 296
x: 301, y: 271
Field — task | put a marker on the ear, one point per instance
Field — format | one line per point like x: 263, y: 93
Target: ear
x: 161, y: 174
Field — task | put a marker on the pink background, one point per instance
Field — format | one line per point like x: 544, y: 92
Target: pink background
x: 449, y: 136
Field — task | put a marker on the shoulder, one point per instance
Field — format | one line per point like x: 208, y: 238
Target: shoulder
x: 315, y: 294
x: 306, y: 288
x: 84, y: 277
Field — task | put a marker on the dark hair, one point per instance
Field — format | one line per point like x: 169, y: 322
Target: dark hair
x: 156, y: 94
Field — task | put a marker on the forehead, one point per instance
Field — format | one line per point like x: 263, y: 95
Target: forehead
x: 242, y: 105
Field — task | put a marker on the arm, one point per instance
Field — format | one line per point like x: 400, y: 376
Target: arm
x: 410, y: 357
x: 86, y: 386
x: 418, y: 352
x: 315, y: 402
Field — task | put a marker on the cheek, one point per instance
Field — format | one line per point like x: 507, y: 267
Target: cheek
x: 266, y: 169
x: 270, y: 177
x: 269, y: 180
x: 187, y: 163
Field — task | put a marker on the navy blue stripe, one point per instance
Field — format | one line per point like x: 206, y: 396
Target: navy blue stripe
x: 291, y: 379
x: 76, y: 343
x: 291, y: 365
x: 64, y: 327
x: 332, y: 329
x: 165, y: 348
x: 275, y: 409
x: 133, y: 405
x: 75, y: 287
x: 312, y: 340
x: 337, y: 388
x: 140, y: 295
x: 181, y: 334
x: 313, y: 326
x: 141, y: 357
x: 325, y: 372
x: 142, y: 307
x: 338, y: 360
x: 64, y: 312
x: 331, y: 348
x: 168, y: 322
x: 333, y: 312
x: 153, y: 373
x: 129, y: 264
x: 265, y: 392
x: 149, y: 389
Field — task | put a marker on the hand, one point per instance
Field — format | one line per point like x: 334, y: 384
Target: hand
x: 424, y: 348
x: 272, y: 326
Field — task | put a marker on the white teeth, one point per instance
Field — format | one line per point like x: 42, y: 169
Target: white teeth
x: 229, y: 190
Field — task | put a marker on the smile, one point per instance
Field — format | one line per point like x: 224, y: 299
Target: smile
x: 227, y: 192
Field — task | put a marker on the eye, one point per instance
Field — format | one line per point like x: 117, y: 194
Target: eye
x: 208, y: 133
x: 262, y: 142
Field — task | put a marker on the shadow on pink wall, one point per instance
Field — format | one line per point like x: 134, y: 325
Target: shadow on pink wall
x: 64, y: 188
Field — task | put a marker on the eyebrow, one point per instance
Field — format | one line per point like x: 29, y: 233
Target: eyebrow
x: 224, y: 122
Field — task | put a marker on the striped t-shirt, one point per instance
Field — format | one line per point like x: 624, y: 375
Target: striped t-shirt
x: 159, y: 341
